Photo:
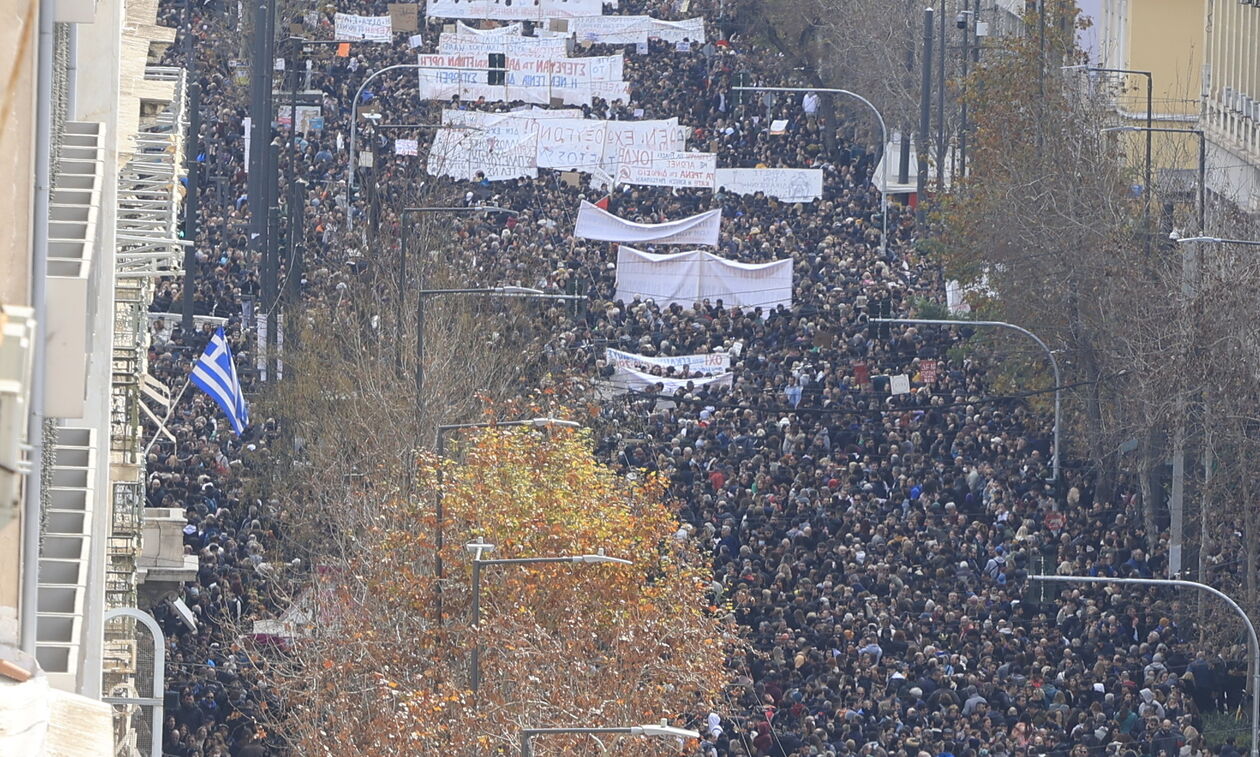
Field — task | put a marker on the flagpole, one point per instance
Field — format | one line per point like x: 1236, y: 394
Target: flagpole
x: 169, y: 413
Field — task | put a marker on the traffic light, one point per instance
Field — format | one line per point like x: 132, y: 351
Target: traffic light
x: 498, y: 69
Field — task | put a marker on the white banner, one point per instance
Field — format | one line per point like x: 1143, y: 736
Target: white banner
x: 566, y: 141
x: 631, y: 30
x: 671, y: 169
x: 636, y: 142
x: 520, y: 47
x: 584, y: 144
x: 639, y: 372
x: 512, y: 30
x: 462, y: 154
x: 689, y: 277
x: 406, y: 147
x: 598, y: 224
x: 363, y: 28
x: 513, y: 10
x: 574, y: 81
x: 786, y: 184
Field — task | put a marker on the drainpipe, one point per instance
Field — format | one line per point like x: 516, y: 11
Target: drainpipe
x: 72, y: 72
x: 31, y: 512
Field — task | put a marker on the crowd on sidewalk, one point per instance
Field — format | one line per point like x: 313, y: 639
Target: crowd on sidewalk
x: 875, y: 547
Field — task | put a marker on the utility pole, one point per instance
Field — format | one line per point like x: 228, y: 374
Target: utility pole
x: 940, y: 108
x: 968, y: 19
x: 192, y: 148
x: 925, y: 116
x: 261, y: 165
x: 903, y: 159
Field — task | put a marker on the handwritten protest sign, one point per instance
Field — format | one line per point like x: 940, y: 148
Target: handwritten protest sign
x: 365, y: 28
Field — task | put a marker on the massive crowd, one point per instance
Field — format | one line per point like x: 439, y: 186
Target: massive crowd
x: 876, y: 548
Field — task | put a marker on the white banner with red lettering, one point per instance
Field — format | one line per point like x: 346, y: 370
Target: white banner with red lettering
x: 573, y: 81
x: 520, y: 47
x: 671, y: 169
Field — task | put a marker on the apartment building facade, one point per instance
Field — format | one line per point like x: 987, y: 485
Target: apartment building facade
x: 93, y: 160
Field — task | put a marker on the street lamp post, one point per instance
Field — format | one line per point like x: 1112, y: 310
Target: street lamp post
x: 354, y: 121
x: 632, y: 730
x: 402, y: 273
x: 1253, y: 641
x: 480, y: 548
x: 440, y: 444
x: 1054, y: 364
x: 500, y: 291
x: 1217, y: 240
x: 1189, y: 268
x: 1150, y: 113
x: 1202, y: 160
x: 883, y: 130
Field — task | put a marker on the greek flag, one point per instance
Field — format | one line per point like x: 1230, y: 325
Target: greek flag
x: 215, y: 374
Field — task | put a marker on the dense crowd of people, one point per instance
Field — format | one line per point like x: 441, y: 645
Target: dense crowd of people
x: 876, y: 547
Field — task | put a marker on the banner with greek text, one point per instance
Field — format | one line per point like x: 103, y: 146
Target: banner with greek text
x: 363, y: 28
x: 633, y: 372
x: 507, y: 10
x: 464, y: 154
x: 598, y: 224
x: 512, y: 30
x: 631, y: 30
x: 671, y: 169
x: 786, y: 184
x: 574, y: 81
x: 690, y: 277
x: 520, y: 47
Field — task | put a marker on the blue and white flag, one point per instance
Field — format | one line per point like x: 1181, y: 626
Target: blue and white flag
x: 215, y: 374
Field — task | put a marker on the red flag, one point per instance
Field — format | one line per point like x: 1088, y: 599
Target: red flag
x: 861, y: 373
x: 603, y: 203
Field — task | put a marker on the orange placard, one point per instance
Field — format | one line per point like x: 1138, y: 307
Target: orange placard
x: 343, y: 50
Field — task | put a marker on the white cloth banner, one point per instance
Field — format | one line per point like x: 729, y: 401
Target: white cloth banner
x: 406, y: 147
x: 510, y: 10
x: 598, y: 224
x: 566, y: 141
x: 636, y: 142
x: 633, y: 372
x: 363, y: 28
x: 575, y: 81
x: 689, y: 277
x: 585, y: 144
x: 512, y: 30
x: 672, y: 169
x: 631, y: 380
x: 786, y: 184
x: 461, y: 154
x: 631, y: 30
x: 520, y: 47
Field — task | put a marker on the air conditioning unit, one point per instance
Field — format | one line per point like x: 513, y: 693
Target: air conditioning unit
x: 1226, y: 96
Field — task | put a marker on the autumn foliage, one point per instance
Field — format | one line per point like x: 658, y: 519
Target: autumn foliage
x: 563, y: 644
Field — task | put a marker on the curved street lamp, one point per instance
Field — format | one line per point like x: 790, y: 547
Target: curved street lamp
x: 631, y: 730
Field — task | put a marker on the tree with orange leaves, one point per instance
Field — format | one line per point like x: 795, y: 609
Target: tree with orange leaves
x: 563, y: 645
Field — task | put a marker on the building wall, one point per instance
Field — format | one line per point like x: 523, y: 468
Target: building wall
x: 1231, y: 101
x: 19, y: 38
x: 1164, y: 37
